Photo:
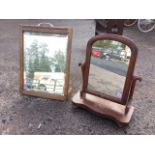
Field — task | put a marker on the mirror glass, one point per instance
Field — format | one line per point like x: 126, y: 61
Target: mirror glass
x: 108, y: 67
x: 44, y: 62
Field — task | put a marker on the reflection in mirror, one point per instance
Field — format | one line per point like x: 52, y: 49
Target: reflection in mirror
x: 45, y: 62
x: 108, y: 67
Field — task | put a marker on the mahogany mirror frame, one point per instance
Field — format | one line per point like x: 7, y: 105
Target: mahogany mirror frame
x: 129, y: 82
x: 118, y: 110
x: 49, y: 30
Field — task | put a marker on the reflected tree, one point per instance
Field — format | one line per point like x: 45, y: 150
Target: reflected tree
x: 36, y: 59
x: 59, y: 59
x: 45, y: 61
x: 32, y: 59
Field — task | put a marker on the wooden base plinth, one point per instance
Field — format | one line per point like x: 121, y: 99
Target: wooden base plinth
x: 104, y: 108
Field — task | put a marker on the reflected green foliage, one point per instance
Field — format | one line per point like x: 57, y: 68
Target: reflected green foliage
x: 109, y: 44
x: 37, y: 60
x: 60, y: 61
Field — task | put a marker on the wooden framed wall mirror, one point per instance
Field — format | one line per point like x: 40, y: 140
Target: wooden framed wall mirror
x: 108, y: 77
x: 45, y: 54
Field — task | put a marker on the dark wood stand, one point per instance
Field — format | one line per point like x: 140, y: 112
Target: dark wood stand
x: 119, y: 113
x: 104, y: 108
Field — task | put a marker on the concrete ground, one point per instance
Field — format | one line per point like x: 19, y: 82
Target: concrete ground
x: 32, y: 115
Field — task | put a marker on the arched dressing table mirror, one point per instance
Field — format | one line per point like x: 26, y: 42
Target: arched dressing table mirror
x: 108, y: 77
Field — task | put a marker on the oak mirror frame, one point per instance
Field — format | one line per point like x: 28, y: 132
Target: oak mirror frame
x: 45, y: 54
x: 127, y: 92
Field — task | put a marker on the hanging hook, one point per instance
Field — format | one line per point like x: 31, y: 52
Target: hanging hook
x: 45, y: 24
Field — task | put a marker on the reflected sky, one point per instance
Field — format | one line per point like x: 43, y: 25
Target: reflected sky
x: 55, y: 42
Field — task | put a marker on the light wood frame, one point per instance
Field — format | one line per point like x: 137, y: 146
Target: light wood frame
x: 49, y: 30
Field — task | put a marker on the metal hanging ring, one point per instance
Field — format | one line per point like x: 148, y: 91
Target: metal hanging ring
x: 46, y: 24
